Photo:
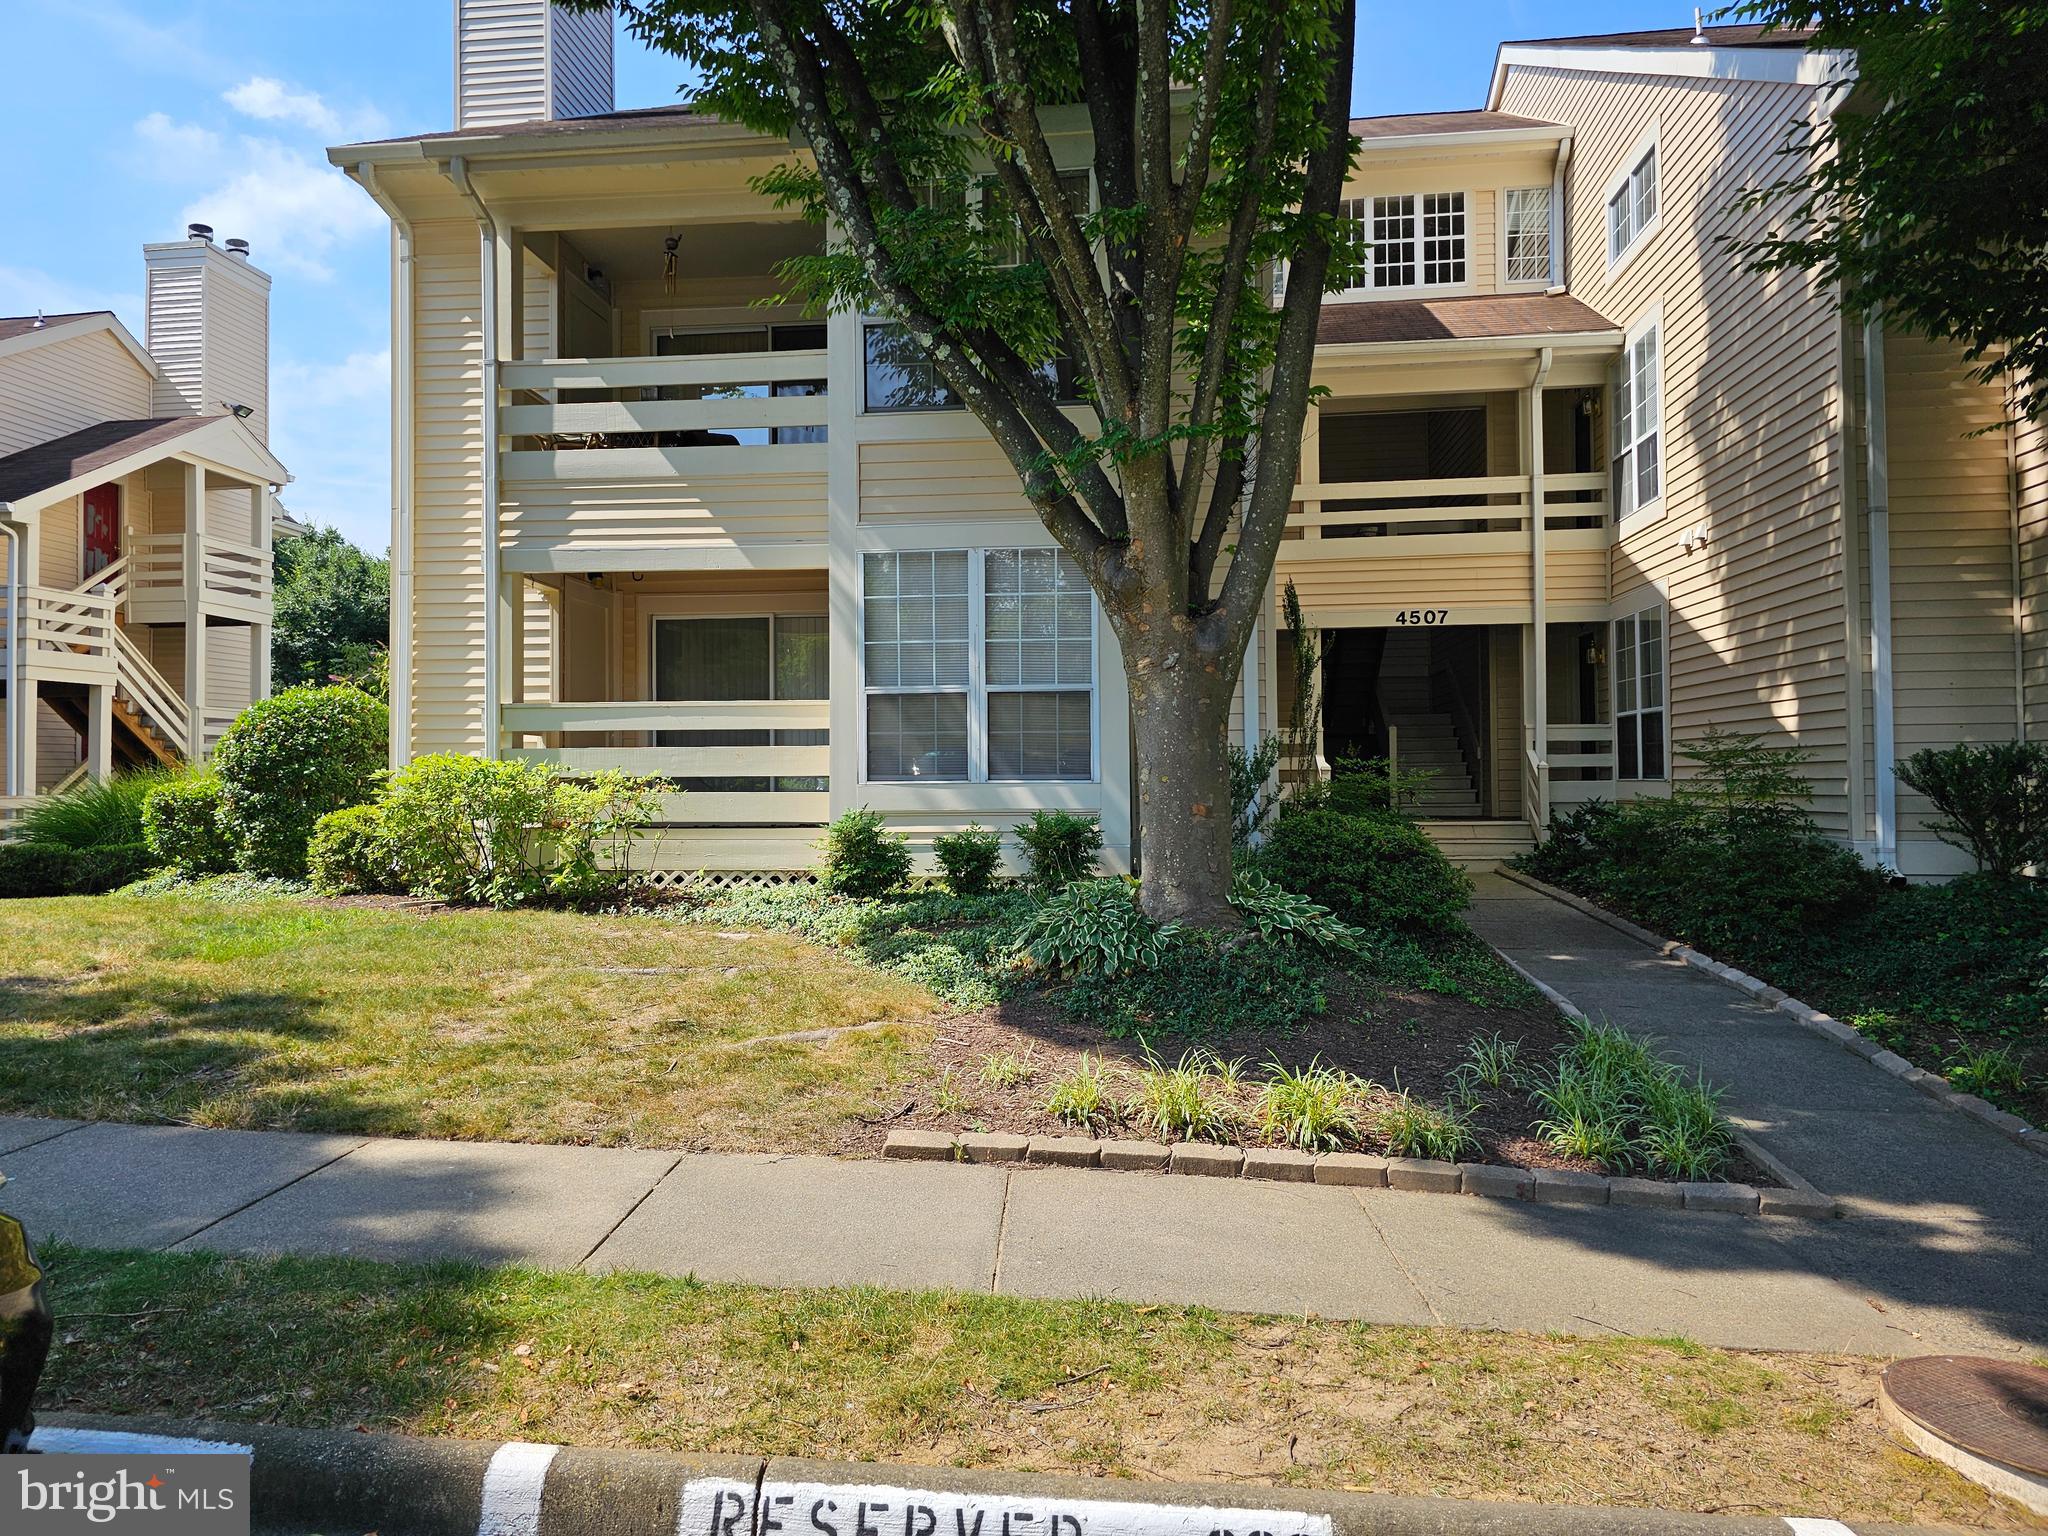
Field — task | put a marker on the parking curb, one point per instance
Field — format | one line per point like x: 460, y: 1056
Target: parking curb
x: 1936, y: 1087
x: 304, y: 1481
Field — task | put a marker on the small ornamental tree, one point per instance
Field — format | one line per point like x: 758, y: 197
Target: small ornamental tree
x: 1179, y: 299
x: 1924, y: 194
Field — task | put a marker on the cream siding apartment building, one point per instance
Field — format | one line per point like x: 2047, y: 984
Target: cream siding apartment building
x: 137, y: 503
x: 1579, y: 487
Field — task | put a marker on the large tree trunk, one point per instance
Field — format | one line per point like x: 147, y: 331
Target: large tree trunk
x: 1180, y: 729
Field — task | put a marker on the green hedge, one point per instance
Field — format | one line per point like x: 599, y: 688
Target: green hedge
x: 350, y: 854
x: 1376, y: 872
x: 51, y: 869
x: 181, y: 822
x: 290, y: 759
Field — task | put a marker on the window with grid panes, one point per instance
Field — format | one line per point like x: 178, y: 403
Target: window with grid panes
x: 1639, y: 695
x: 1038, y: 644
x: 1528, y: 234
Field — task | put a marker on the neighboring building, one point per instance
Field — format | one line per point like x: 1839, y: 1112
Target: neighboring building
x: 136, y: 507
x: 1573, y: 467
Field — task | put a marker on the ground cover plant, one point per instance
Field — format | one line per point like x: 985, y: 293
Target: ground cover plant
x: 1087, y: 1387
x: 1954, y: 977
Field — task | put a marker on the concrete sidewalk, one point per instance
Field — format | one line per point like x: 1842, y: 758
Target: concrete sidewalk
x: 1943, y: 1251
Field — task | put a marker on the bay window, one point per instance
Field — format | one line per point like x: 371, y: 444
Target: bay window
x: 977, y: 665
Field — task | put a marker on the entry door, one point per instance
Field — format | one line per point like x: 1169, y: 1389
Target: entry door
x: 102, y: 539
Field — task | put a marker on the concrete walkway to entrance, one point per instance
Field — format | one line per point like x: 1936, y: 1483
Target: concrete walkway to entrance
x: 1943, y: 1251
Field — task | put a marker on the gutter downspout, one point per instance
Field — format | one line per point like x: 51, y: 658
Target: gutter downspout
x: 10, y: 783
x: 1558, y: 215
x: 1539, y: 619
x: 401, y: 473
x: 487, y: 231
x: 1884, y: 737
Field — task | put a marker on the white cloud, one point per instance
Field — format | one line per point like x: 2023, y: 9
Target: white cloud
x: 175, y: 151
x: 289, y: 203
x: 274, y: 101
x: 358, y: 377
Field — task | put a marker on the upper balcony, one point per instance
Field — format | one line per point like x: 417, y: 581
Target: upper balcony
x: 659, y: 401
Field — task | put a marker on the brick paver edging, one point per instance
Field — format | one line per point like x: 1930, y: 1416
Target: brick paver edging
x: 1356, y: 1170
x: 1936, y: 1087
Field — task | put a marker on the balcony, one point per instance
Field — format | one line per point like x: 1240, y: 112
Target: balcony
x: 1459, y: 510
x: 649, y: 452
x: 60, y: 635
x: 234, y: 579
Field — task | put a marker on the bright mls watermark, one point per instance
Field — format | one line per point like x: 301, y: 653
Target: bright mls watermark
x: 194, y: 1494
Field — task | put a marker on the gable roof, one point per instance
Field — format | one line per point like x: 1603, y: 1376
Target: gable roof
x: 1473, y: 317
x: 112, y: 448
x: 18, y: 333
x: 1745, y: 51
x: 1753, y: 34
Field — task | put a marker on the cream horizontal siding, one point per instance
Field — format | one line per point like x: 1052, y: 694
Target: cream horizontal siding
x: 175, y: 298
x: 1751, y: 410
x: 663, y: 513
x: 1341, y: 592
x: 448, y: 555
x: 61, y: 386
x: 949, y: 477
x: 501, y: 62
x: 2030, y: 496
x: 1954, y: 663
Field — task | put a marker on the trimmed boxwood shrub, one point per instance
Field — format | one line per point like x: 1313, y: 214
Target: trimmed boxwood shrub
x: 181, y: 822
x: 1059, y: 846
x: 863, y: 857
x: 51, y: 869
x: 1378, y: 873
x: 350, y: 855
x: 287, y: 761
x: 969, y: 860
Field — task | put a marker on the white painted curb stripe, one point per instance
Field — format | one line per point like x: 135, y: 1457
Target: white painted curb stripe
x: 1804, y: 1526
x: 512, y: 1488
x: 724, y: 1507
x: 53, y: 1438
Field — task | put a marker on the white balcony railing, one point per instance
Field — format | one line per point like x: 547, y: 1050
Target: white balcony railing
x: 1580, y: 760
x: 1341, y: 514
x: 234, y: 578
x: 647, y: 718
x: 61, y: 634
x: 628, y: 416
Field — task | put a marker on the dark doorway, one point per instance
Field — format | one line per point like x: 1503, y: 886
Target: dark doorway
x: 1423, y: 692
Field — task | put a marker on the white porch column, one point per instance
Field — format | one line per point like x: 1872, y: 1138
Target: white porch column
x: 259, y: 635
x: 99, y: 735
x: 511, y: 601
x: 13, y: 766
x: 195, y: 612
x: 1539, y: 626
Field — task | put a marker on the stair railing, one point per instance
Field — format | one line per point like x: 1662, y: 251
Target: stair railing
x: 160, y: 703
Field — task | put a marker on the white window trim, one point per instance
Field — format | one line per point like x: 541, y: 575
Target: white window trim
x: 978, y: 687
x: 1653, y: 509
x: 1617, y: 260
x: 1660, y: 604
x: 1418, y: 289
x: 1550, y: 254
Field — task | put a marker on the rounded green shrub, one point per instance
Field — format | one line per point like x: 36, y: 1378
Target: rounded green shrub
x: 969, y: 860
x: 51, y: 869
x: 181, y: 822
x: 289, y: 760
x: 863, y: 857
x: 349, y: 854
x: 1059, y: 847
x: 1373, y: 872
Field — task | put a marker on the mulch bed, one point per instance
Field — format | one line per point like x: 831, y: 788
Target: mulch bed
x: 1404, y: 1040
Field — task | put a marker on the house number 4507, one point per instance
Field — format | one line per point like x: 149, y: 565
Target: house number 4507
x: 1423, y: 616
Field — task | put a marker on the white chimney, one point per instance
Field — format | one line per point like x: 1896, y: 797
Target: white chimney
x: 520, y: 61
x: 207, y: 324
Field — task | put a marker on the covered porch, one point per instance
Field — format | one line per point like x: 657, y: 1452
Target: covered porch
x: 135, y: 611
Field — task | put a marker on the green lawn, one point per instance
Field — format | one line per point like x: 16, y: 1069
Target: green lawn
x: 527, y: 1026
x: 1089, y: 1387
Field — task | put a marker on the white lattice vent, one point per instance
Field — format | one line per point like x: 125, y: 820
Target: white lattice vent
x: 726, y: 879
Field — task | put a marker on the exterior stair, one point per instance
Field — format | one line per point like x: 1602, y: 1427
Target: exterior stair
x: 1426, y: 740
x: 149, y: 716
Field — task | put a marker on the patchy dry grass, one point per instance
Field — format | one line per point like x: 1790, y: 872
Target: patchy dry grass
x: 518, y: 1026
x: 1087, y: 1387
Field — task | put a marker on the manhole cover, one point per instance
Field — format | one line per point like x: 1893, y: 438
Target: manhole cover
x: 1991, y: 1408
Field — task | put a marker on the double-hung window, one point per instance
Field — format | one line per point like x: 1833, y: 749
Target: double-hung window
x: 1632, y: 205
x: 1528, y: 234
x: 978, y: 665
x: 1639, y: 694
x: 1637, y: 390
x: 1409, y: 241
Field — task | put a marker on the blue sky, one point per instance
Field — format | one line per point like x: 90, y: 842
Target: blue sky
x: 125, y: 119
